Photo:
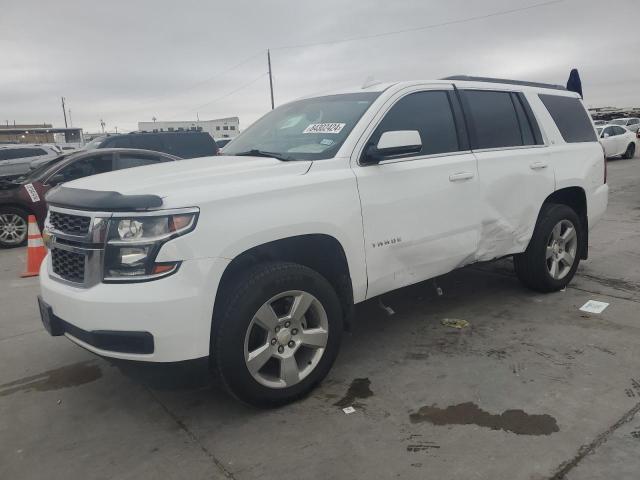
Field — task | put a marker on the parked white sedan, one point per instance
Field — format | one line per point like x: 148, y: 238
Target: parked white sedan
x: 617, y: 141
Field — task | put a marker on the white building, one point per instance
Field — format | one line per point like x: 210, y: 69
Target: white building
x: 218, y: 128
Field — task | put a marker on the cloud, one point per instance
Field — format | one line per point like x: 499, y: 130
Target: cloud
x: 129, y: 61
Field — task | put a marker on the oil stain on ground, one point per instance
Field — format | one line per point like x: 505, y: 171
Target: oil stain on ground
x: 358, y: 389
x: 516, y: 421
x: 69, y: 376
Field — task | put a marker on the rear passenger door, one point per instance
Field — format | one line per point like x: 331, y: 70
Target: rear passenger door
x: 515, y: 176
x: 419, y: 211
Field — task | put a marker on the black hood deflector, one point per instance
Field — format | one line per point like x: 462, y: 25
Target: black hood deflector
x: 80, y: 199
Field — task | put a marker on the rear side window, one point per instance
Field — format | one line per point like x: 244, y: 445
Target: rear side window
x: 495, y: 120
x: 430, y: 114
x: 130, y: 160
x: 116, y: 142
x: 147, y: 142
x: 191, y: 145
x: 571, y: 118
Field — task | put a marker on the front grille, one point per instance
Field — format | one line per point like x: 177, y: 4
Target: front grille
x: 70, y: 224
x: 68, y: 265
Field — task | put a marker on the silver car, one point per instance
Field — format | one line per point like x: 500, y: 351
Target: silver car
x: 632, y: 123
x: 17, y: 159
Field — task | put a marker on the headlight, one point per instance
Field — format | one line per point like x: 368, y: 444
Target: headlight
x: 133, y: 244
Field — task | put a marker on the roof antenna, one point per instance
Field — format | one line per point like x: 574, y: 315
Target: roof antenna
x: 370, y: 81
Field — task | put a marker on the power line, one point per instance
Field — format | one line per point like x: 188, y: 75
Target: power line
x: 424, y: 27
x: 245, y: 85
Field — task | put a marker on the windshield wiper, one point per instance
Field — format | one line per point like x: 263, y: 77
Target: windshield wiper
x: 261, y: 153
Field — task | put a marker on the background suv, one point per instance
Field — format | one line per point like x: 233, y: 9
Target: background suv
x: 186, y: 144
x: 16, y: 160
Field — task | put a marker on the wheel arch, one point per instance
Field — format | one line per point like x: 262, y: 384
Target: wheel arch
x: 576, y: 198
x: 320, y: 252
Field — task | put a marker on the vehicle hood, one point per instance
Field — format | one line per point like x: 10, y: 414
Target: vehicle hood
x: 186, y: 182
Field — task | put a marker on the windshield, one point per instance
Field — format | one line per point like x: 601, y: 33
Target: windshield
x: 618, y: 122
x: 310, y: 129
x: 40, y: 170
x: 95, y: 143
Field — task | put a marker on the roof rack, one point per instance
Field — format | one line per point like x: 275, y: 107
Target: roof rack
x: 469, y: 78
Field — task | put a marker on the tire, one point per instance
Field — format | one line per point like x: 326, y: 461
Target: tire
x: 14, y: 227
x: 240, y: 332
x: 630, y: 151
x: 534, y: 267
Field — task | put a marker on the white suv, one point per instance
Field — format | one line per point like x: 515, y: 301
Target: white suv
x: 256, y: 258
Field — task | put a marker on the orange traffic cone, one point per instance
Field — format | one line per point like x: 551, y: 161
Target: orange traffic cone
x: 35, y: 249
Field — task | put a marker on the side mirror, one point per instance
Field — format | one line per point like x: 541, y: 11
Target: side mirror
x: 55, y: 180
x: 605, y: 135
x: 398, y: 142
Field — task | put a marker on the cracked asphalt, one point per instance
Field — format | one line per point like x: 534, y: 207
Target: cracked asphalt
x: 532, y: 389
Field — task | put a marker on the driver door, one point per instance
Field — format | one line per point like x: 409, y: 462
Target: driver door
x: 419, y: 211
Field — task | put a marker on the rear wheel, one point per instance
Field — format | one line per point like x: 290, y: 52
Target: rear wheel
x: 13, y: 227
x: 630, y: 151
x: 277, y: 334
x: 552, y: 257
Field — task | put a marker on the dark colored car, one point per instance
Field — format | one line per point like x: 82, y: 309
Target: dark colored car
x: 25, y: 196
x: 187, y: 144
x: 221, y: 142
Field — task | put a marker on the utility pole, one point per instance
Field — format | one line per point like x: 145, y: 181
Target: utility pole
x: 270, y: 77
x: 70, y: 121
x: 64, y: 112
x: 102, y: 124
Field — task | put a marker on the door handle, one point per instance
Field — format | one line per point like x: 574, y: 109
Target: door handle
x: 538, y: 165
x: 460, y: 176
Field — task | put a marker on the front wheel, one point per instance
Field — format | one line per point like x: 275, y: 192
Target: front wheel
x: 552, y: 257
x: 13, y: 227
x: 277, y: 333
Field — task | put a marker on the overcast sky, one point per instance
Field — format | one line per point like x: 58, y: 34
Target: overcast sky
x: 127, y: 61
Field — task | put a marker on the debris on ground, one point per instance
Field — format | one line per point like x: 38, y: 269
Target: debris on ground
x: 348, y: 410
x: 594, y: 306
x: 390, y: 311
x: 455, y: 323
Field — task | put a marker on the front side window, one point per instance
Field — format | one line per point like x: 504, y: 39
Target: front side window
x: 310, y: 129
x: 618, y: 130
x: 430, y: 114
x: 85, y: 168
x: 495, y: 119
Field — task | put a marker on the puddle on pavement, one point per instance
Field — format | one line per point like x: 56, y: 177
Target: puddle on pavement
x: 64, y: 377
x: 358, y: 389
x: 516, y: 421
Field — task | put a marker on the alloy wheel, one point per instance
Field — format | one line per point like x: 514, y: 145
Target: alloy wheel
x: 562, y: 248
x: 286, y: 339
x: 13, y: 229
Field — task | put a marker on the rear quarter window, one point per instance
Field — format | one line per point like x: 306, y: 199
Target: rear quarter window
x: 570, y: 117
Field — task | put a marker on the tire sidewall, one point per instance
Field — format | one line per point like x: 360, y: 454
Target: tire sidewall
x: 273, y: 279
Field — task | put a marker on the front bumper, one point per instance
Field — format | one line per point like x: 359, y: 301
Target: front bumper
x: 175, y: 311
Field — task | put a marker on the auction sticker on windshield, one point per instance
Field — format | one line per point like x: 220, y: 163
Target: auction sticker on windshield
x: 324, y: 128
x: 32, y: 192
